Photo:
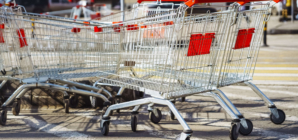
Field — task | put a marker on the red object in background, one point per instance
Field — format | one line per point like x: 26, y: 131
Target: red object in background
x: 22, y: 37
x: 168, y: 23
x: 76, y: 30
x: 95, y: 16
x: 96, y: 29
x: 70, y: 1
x: 92, y: 1
x: 2, y: 26
x: 244, y: 38
x: 86, y: 23
x: 200, y: 44
x: 117, y: 28
x: 132, y: 27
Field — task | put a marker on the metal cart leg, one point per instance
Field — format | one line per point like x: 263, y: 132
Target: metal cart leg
x: 1, y: 85
x: 106, y: 117
x: 235, y: 125
x: 246, y: 124
x: 22, y: 90
x: 277, y: 116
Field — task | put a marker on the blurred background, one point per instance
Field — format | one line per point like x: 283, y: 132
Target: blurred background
x: 282, y: 9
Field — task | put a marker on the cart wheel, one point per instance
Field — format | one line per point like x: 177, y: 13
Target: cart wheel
x: 172, y: 115
x: 105, y: 129
x: 182, y: 99
x: 16, y: 107
x: 247, y: 131
x: 154, y: 118
x: 233, y: 132
x: 134, y: 123
x: 281, y: 119
x: 3, y: 117
x: 66, y: 105
x: 73, y: 101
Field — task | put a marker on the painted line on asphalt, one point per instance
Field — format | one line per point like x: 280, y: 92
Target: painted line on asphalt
x: 258, y: 99
x: 276, y: 68
x: 279, y: 83
x: 266, y: 90
x: 57, y: 130
x: 276, y: 74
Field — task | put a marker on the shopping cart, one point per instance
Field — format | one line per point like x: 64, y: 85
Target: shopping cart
x: 241, y: 54
x: 139, y: 10
x: 46, y: 55
x: 155, y: 64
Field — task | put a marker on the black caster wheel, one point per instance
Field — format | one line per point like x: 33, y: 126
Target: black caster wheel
x: 73, y: 101
x: 233, y: 132
x: 16, y: 108
x: 172, y: 115
x: 281, y: 119
x: 105, y: 129
x: 66, y: 105
x: 249, y: 129
x: 155, y: 119
x: 134, y: 123
x: 3, y: 117
x: 182, y: 99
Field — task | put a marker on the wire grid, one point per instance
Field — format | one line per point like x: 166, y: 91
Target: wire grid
x: 238, y: 65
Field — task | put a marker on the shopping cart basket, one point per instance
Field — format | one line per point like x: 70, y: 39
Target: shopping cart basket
x: 167, y: 72
x: 49, y: 56
x: 240, y: 56
x: 154, y: 63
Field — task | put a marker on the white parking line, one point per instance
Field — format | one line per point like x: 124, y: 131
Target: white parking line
x: 266, y: 90
x: 57, y: 130
x: 258, y: 99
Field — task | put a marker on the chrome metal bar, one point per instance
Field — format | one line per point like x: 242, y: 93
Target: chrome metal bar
x: 51, y: 86
x: 3, y: 83
x: 83, y: 86
x: 221, y: 103
x: 268, y: 102
x: 227, y: 101
x: 148, y: 101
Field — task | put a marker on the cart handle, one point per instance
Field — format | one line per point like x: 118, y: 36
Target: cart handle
x: 190, y: 3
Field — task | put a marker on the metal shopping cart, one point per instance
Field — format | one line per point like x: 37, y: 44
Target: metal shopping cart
x: 241, y: 54
x: 167, y: 72
x: 46, y: 55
